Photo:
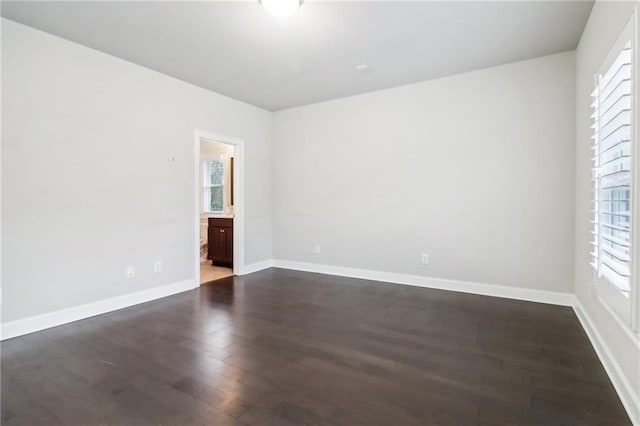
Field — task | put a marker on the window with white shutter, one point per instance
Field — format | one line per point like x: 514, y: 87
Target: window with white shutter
x: 612, y: 174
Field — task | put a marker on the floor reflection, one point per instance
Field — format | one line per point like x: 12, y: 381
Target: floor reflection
x: 219, y: 292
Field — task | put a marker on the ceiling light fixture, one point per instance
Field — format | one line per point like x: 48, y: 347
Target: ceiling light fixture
x: 281, y: 7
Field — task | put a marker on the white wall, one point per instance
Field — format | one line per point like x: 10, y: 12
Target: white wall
x: 475, y: 169
x: 98, y: 173
x: 605, y: 24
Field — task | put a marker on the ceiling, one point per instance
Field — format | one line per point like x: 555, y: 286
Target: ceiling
x: 235, y: 48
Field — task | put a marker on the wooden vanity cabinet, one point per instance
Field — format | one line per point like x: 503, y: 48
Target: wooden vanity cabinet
x: 220, y: 233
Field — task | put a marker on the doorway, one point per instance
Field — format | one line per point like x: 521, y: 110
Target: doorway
x: 219, y: 210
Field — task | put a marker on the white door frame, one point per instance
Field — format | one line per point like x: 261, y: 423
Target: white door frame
x: 238, y: 192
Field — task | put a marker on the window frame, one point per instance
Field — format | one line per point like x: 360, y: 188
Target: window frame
x: 625, y: 305
x: 204, y: 186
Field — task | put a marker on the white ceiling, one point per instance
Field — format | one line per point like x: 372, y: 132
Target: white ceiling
x: 236, y: 49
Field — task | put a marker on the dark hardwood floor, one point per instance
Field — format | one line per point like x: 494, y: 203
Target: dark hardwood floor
x: 281, y: 347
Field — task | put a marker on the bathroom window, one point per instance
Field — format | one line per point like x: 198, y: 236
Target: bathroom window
x: 213, y: 186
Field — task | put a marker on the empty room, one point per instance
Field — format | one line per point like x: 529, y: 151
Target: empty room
x: 288, y: 212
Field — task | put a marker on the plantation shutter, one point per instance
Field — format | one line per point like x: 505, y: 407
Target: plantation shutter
x: 612, y: 119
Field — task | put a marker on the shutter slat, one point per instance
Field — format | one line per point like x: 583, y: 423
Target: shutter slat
x: 616, y: 254
x: 623, y: 75
x: 620, y: 158
x: 623, y: 101
x: 621, y: 134
x: 622, y: 87
x: 612, y: 130
x: 621, y: 269
x: 621, y: 64
x: 612, y: 226
x: 616, y: 241
x: 615, y: 123
x: 616, y: 214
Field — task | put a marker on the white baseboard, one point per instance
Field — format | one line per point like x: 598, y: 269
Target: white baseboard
x: 255, y: 267
x: 64, y: 316
x: 630, y: 399
x: 53, y: 319
x: 531, y: 295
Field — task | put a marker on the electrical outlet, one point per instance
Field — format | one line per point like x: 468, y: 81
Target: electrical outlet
x: 131, y: 272
x: 316, y: 249
x: 157, y: 266
x: 424, y: 259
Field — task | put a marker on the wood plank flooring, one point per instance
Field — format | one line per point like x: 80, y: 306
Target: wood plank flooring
x: 281, y: 347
